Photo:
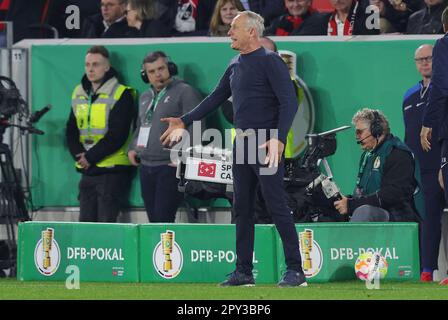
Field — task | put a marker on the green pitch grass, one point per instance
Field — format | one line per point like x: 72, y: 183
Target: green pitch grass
x: 351, y: 290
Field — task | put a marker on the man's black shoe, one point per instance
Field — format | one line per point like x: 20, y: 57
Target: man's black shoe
x: 237, y: 278
x: 292, y: 278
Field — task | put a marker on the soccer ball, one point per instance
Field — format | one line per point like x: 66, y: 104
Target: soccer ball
x: 368, y: 263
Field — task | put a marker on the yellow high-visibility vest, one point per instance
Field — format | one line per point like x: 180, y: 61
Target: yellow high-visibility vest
x: 92, y: 119
x: 289, y: 147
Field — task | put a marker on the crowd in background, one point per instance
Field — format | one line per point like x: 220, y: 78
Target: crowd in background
x: 174, y: 18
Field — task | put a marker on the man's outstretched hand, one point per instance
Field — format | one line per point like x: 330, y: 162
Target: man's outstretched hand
x: 173, y: 134
x: 274, y: 149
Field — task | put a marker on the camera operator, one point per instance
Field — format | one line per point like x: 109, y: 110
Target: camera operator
x: 388, y: 175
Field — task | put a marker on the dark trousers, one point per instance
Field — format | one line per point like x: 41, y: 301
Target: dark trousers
x: 432, y: 225
x: 159, y: 192
x: 101, y: 197
x: 246, y: 177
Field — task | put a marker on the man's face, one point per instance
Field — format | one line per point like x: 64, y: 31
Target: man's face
x: 423, y: 61
x: 341, y: 5
x: 112, y: 10
x: 297, y: 8
x: 239, y: 33
x: 158, y: 73
x: 96, y: 67
x: 363, y: 134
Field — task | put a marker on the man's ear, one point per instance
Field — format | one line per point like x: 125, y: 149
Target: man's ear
x: 253, y: 32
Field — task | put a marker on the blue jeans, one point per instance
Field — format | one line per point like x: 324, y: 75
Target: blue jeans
x: 368, y: 213
x: 159, y: 192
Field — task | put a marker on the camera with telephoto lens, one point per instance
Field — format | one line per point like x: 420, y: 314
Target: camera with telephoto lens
x: 11, y: 101
x: 311, y: 194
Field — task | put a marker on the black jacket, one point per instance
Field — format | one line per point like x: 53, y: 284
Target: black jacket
x: 121, y: 120
x: 396, y: 192
x: 93, y: 27
x: 150, y: 29
x: 268, y: 9
x: 399, y: 19
x: 436, y: 114
x: 314, y: 24
x: 427, y: 20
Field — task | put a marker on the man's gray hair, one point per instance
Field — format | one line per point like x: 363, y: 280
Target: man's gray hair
x: 254, y: 20
x: 368, y: 115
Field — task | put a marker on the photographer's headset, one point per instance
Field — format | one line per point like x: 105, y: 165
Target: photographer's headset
x: 153, y: 56
x: 376, y: 129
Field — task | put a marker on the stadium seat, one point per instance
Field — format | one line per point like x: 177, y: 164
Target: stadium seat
x: 322, y: 5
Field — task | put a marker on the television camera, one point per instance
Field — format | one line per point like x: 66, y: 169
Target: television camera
x: 206, y: 173
x: 13, y: 207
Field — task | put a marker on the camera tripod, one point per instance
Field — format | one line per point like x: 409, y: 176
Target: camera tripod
x: 12, y: 207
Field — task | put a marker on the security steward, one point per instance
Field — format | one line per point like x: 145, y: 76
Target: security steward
x: 98, y: 132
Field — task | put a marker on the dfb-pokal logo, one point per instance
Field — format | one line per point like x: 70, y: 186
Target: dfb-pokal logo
x: 312, y: 258
x: 47, y: 255
x: 167, y: 256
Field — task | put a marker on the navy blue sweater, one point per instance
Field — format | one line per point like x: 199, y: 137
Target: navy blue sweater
x: 414, y: 105
x: 262, y: 91
x: 437, y: 111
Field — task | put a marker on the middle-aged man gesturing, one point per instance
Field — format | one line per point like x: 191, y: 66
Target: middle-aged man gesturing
x: 263, y: 99
x: 437, y: 109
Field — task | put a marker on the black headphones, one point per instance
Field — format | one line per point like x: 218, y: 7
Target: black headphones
x: 376, y: 129
x: 153, y: 56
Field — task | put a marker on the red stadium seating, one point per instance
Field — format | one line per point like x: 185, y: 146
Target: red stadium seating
x: 322, y: 5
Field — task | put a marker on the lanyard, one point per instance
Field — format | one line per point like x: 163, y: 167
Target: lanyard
x: 153, y: 105
x: 363, y: 166
x: 423, y: 89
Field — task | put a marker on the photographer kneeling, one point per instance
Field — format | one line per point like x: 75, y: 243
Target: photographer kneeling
x: 388, y: 183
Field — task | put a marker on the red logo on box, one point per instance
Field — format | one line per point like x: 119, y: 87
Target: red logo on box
x: 207, y: 170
